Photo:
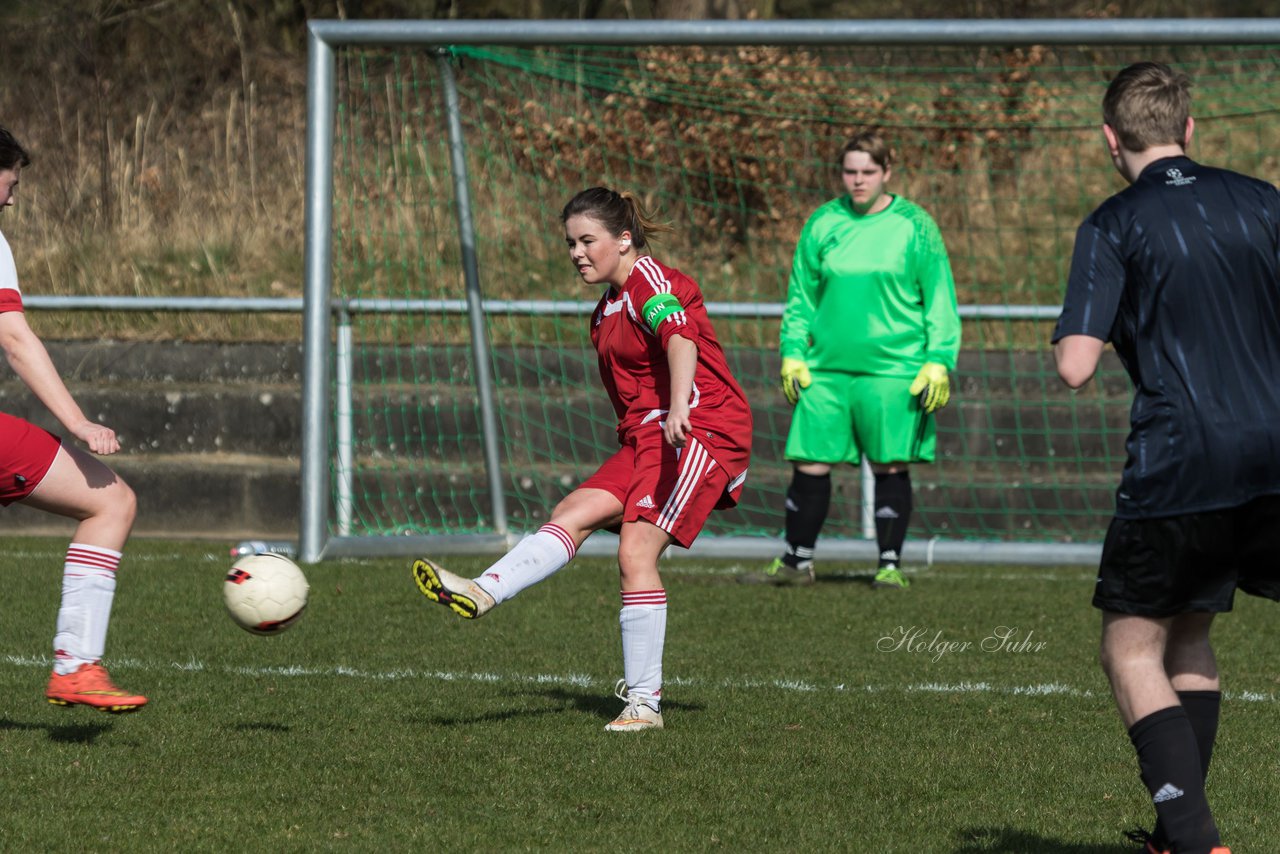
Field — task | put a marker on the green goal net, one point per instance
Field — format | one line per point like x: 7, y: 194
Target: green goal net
x: 734, y: 147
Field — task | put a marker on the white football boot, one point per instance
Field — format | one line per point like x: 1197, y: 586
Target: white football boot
x: 638, y: 715
x: 466, y: 598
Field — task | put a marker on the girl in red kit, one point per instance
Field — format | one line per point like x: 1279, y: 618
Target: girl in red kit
x: 41, y: 470
x: 684, y: 428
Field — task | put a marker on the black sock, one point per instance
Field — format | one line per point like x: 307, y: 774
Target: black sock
x: 1170, y: 763
x: 1202, y: 710
x: 893, y: 513
x: 808, y: 499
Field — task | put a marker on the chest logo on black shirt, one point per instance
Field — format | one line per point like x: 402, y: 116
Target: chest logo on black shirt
x: 1177, y: 179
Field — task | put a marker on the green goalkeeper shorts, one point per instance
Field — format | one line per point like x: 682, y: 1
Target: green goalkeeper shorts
x: 842, y: 416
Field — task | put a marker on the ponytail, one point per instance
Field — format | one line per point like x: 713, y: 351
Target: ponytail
x: 617, y: 212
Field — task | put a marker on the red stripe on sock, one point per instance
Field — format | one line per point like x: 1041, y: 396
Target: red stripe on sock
x: 562, y: 535
x: 94, y: 559
x: 644, y: 597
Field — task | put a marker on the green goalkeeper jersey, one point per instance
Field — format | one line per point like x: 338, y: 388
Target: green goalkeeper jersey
x: 871, y: 294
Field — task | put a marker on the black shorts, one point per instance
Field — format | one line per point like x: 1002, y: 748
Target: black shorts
x: 1194, y: 562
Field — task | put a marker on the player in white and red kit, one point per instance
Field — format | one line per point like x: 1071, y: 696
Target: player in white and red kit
x: 684, y: 427
x: 40, y: 470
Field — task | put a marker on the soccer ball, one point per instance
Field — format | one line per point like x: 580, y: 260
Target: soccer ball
x: 265, y: 593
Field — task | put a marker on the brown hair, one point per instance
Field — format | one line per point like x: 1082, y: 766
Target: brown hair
x: 12, y: 154
x: 872, y: 144
x: 1148, y: 104
x: 618, y: 212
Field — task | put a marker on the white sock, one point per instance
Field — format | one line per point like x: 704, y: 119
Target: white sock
x: 88, y: 586
x: 534, y: 558
x: 644, y: 629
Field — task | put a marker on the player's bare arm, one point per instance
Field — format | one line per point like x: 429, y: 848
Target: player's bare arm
x: 30, y: 361
x: 682, y: 361
x: 1077, y: 357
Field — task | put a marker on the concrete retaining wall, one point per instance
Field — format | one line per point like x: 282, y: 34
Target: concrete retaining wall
x: 211, y: 433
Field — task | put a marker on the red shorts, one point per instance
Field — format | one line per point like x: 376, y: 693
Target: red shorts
x: 26, y: 452
x: 674, y: 490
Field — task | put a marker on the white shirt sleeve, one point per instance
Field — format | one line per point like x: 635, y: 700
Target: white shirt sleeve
x: 10, y: 295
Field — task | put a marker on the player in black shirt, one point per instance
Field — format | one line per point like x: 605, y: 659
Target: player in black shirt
x: 1181, y: 273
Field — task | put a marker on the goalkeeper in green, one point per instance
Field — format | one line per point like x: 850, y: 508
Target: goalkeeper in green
x: 869, y: 336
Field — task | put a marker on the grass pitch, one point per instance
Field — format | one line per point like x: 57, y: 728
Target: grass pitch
x: 965, y: 715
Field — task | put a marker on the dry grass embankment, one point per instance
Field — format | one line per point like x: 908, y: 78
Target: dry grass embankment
x: 168, y: 141
x: 167, y: 148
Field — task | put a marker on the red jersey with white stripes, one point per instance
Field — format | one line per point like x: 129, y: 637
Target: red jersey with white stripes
x: 633, y: 363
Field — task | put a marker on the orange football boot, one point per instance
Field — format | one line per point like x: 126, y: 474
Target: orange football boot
x: 89, y: 685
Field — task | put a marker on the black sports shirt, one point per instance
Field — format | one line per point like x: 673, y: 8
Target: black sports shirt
x: 1181, y: 273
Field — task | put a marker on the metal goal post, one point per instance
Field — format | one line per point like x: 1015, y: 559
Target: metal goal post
x: 325, y: 505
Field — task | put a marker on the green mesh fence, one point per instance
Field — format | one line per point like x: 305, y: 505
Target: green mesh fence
x: 735, y: 147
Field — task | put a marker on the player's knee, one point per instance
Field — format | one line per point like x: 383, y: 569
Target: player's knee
x: 813, y: 469
x: 1189, y: 652
x: 630, y: 561
x: 1119, y: 661
x: 637, y: 564
x: 1107, y: 659
x: 890, y: 468
x: 123, y: 503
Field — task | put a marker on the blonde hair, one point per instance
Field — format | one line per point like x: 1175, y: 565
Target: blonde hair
x: 1148, y: 104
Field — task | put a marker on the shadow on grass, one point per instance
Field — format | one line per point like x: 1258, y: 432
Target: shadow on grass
x: 64, y: 733
x: 1006, y: 840
x: 861, y: 578
x: 602, y: 706
x: 496, y: 716
x: 261, y: 726
x: 858, y: 578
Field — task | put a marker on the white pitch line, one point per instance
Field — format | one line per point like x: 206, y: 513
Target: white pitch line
x: 134, y: 557
x: 580, y: 680
x: 670, y: 568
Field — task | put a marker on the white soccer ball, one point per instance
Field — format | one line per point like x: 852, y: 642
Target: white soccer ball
x: 265, y: 593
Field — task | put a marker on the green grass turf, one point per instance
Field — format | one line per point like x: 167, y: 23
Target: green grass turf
x: 381, y: 722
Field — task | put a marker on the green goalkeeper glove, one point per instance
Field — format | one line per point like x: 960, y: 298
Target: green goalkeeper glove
x: 795, y: 376
x: 932, y: 380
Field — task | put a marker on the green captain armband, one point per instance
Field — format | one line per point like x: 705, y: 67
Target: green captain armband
x: 659, y: 308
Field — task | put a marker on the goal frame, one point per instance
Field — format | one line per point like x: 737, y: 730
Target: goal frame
x: 326, y: 323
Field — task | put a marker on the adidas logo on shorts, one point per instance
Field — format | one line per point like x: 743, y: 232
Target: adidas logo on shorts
x: 646, y: 502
